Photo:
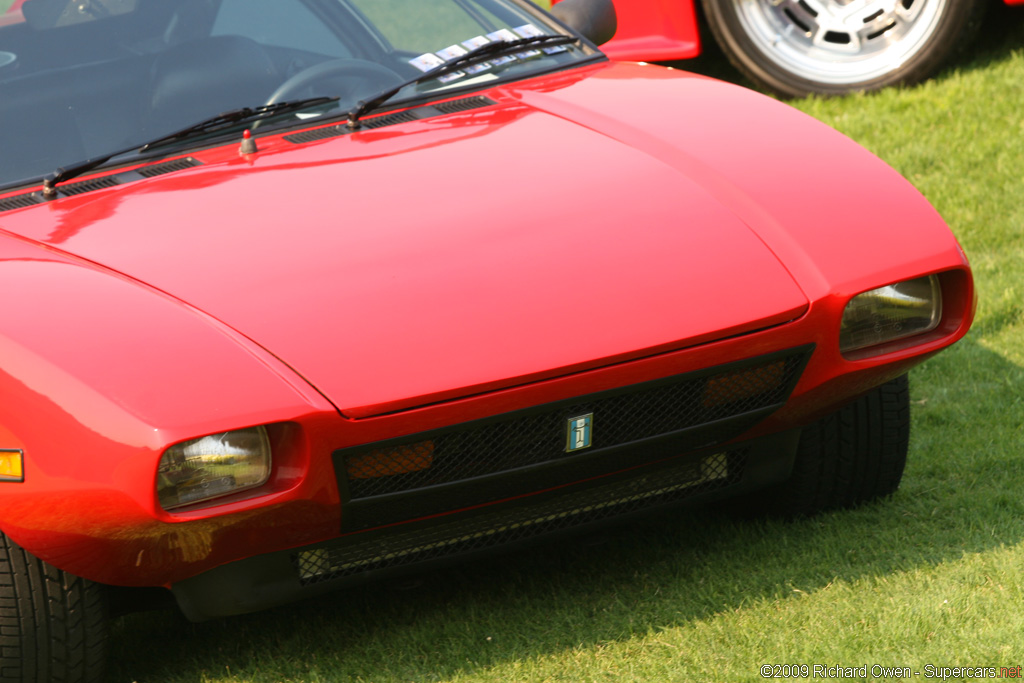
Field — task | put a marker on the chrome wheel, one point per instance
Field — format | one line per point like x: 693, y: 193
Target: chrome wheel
x: 797, y: 47
x: 840, y: 41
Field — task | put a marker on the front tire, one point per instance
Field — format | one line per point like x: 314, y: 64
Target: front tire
x: 832, y: 47
x: 852, y: 456
x: 53, y: 625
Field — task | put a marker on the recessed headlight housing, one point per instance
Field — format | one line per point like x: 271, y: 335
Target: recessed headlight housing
x: 213, y: 466
x: 890, y: 313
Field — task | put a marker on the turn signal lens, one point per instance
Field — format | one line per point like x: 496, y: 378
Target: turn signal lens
x: 386, y: 462
x: 897, y: 311
x: 743, y: 384
x: 11, y: 466
x: 213, y: 466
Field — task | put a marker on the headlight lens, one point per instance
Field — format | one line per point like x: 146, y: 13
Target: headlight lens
x: 889, y: 313
x: 213, y: 466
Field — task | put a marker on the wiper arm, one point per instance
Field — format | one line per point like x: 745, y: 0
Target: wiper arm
x: 475, y: 56
x: 222, y: 120
x: 234, y: 116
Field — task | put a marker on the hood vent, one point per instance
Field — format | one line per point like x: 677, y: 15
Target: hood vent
x: 89, y: 185
x: 168, y: 167
x: 316, y: 134
x: 27, y: 199
x: 465, y: 104
x: 19, y: 201
x: 389, y: 120
x: 417, y: 114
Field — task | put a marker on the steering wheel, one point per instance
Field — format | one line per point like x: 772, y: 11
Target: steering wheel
x: 356, y: 70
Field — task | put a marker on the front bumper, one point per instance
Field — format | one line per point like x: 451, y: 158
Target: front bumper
x: 275, y: 579
x: 502, y: 482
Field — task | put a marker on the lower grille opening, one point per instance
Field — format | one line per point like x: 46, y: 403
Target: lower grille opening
x: 527, y: 518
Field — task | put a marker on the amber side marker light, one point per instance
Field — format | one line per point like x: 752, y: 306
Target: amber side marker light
x: 12, y: 466
x: 743, y: 384
x: 387, y: 462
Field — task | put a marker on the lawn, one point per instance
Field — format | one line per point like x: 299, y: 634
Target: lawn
x: 933, y: 577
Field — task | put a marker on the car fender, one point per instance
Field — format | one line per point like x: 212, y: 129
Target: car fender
x: 654, y: 30
x: 95, y: 363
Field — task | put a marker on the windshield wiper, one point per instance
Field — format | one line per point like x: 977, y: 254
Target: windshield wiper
x: 214, y: 123
x: 475, y: 56
x: 235, y: 116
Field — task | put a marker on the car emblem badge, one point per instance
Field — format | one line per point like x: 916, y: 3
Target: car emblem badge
x: 579, y: 433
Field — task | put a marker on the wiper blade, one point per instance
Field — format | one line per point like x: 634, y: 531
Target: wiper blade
x: 235, y: 116
x: 475, y: 56
x: 222, y: 120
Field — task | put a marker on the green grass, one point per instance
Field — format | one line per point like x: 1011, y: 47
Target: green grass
x: 934, y: 576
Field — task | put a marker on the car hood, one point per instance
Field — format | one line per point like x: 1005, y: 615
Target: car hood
x: 431, y: 260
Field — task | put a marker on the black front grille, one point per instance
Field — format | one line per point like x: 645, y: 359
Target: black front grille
x: 707, y: 400
x: 522, y: 520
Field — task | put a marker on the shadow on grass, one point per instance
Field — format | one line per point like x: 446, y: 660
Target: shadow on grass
x: 663, y: 572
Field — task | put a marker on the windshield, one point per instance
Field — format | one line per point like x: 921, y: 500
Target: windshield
x: 82, y: 79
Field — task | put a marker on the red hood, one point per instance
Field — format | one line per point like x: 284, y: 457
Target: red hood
x: 430, y: 260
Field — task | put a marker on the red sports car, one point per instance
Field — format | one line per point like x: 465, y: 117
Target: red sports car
x: 798, y: 47
x: 302, y: 292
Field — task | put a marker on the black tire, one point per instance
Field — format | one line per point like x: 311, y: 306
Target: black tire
x: 798, y: 47
x: 53, y: 626
x: 852, y: 456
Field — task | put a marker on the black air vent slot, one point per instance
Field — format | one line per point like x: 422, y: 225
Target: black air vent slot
x: 19, y: 201
x: 89, y: 185
x: 418, y: 114
x: 465, y: 104
x: 317, y: 134
x: 31, y: 198
x: 389, y: 120
x: 168, y: 167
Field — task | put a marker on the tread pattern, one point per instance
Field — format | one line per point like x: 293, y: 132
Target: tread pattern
x: 53, y: 625
x: 849, y: 457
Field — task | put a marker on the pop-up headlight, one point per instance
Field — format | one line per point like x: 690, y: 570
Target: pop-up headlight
x: 889, y: 313
x: 213, y: 466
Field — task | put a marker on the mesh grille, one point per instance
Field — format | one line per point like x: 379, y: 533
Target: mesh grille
x: 641, y: 412
x: 506, y: 524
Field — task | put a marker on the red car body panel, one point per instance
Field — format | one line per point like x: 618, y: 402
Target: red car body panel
x: 301, y: 287
x: 655, y: 31
x: 494, y: 251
